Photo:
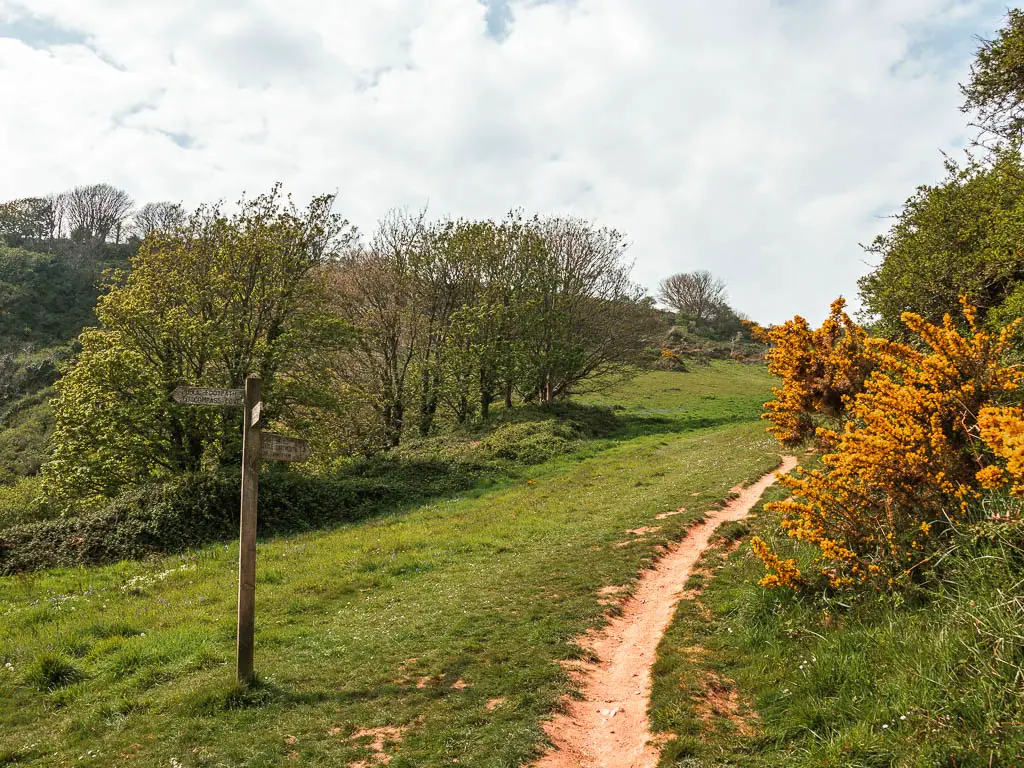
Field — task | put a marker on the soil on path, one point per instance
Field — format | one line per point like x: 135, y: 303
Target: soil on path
x: 608, y: 727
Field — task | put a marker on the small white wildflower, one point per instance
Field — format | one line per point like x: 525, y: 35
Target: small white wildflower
x: 884, y: 726
x: 903, y: 717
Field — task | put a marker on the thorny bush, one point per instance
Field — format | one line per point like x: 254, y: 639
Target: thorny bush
x: 820, y: 369
x: 928, y: 435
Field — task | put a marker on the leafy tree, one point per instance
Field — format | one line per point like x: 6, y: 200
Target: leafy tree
x: 488, y: 347
x: 375, y: 289
x: 995, y: 91
x: 456, y: 314
x: 591, y: 321
x: 961, y: 237
x: 30, y: 219
x: 209, y: 303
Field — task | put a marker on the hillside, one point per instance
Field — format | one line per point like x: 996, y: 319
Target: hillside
x: 46, y: 298
x: 440, y: 624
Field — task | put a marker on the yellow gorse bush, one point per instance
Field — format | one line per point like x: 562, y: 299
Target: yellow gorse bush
x: 819, y: 369
x: 1002, y: 429
x: 924, y: 437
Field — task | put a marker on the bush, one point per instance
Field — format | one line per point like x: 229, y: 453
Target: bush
x: 820, y: 371
x: 189, y: 511
x: 21, y: 503
x: 530, y: 442
x: 911, y: 463
x: 195, y: 509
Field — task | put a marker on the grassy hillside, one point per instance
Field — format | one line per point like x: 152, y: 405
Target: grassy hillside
x: 444, y: 621
x: 752, y: 678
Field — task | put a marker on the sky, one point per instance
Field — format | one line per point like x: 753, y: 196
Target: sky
x: 763, y: 140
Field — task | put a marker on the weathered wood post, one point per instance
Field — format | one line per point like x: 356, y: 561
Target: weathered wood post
x: 255, y: 446
x: 247, y: 529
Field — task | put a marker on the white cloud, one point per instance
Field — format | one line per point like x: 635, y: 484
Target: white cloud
x: 757, y: 139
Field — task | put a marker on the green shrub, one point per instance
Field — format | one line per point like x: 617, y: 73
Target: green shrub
x: 196, y: 509
x: 530, y: 442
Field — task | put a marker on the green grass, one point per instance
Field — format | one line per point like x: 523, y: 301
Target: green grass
x: 709, y: 396
x: 846, y: 682
x: 374, y: 624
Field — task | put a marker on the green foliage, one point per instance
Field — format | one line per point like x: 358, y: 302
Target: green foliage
x: 960, y: 237
x: 47, y: 298
x: 995, y: 91
x: 530, y: 443
x: 25, y: 377
x: 207, y: 302
x: 22, y: 502
x: 458, y: 315
x: 194, y: 509
x: 23, y: 438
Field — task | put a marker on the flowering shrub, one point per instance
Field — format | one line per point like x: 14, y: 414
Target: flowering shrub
x: 1002, y: 429
x: 820, y: 369
x: 916, y: 451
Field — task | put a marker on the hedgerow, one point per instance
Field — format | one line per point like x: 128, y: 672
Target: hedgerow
x: 199, y: 508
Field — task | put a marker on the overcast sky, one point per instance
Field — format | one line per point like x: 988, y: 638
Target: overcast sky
x: 760, y: 139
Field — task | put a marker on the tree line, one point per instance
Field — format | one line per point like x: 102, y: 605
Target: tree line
x: 86, y: 213
x: 360, y: 341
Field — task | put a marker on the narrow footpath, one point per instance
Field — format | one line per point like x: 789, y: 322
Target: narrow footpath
x: 608, y: 727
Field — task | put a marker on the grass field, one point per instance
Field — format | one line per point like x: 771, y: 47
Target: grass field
x: 752, y: 679
x: 432, y: 634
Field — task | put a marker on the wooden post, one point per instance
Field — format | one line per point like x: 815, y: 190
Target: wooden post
x: 247, y: 533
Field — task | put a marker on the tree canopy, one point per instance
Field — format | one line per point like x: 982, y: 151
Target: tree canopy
x: 995, y: 91
x: 961, y: 237
x: 206, y: 302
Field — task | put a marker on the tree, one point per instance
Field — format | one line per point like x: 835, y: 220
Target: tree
x: 156, y: 216
x: 961, y: 237
x: 375, y: 288
x: 697, y: 295
x: 219, y: 298
x: 96, y: 211
x: 590, y: 321
x: 486, y: 350
x: 996, y: 88
x: 30, y: 218
x: 456, y: 314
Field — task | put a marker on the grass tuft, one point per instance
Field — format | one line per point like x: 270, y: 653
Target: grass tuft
x: 50, y: 671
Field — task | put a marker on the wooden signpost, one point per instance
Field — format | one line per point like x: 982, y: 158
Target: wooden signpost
x: 255, y: 446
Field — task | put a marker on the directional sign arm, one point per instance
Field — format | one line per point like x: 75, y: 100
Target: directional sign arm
x: 222, y: 398
x: 283, y: 448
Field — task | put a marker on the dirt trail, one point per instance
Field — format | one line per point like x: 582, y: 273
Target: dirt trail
x: 608, y: 728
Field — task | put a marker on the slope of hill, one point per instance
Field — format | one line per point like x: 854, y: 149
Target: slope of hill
x: 430, y: 635
x: 46, y: 298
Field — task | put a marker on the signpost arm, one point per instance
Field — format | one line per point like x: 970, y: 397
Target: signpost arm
x: 247, y: 533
